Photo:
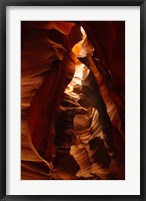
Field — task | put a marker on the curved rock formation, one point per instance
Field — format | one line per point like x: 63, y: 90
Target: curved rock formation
x: 62, y: 138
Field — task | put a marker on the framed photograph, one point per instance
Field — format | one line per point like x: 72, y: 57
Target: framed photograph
x: 72, y: 100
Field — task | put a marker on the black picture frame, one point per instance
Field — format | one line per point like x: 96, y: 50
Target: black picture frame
x: 3, y: 123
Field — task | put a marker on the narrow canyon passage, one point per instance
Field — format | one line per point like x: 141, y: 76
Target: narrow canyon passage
x: 72, y: 108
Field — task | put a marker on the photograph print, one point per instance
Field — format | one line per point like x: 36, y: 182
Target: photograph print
x: 73, y: 100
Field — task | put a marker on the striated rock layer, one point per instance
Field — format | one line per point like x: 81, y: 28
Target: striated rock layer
x: 72, y: 112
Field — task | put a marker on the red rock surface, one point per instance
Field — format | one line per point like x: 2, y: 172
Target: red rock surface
x: 47, y: 66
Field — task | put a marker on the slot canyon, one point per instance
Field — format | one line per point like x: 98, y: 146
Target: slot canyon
x: 72, y: 100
